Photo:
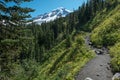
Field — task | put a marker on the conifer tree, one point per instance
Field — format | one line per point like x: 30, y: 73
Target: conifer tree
x: 14, y: 13
x: 10, y: 42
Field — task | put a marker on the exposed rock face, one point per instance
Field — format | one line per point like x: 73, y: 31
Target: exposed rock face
x: 116, y: 76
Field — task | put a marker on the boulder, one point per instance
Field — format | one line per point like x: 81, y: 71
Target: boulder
x: 90, y: 43
x: 116, y: 76
x: 99, y: 51
x: 88, y: 78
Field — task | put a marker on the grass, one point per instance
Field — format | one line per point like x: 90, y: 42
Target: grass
x: 65, y: 62
x: 106, y: 33
x: 115, y: 54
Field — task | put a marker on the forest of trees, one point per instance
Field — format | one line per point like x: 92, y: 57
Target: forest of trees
x: 26, y: 46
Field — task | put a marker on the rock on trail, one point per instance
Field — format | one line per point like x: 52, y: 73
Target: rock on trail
x: 98, y: 68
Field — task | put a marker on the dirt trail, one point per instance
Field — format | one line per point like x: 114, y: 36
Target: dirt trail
x: 98, y: 68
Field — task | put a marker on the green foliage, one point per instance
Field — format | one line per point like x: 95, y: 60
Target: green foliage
x: 56, y: 50
x: 107, y: 32
x: 27, y: 71
x: 116, y: 79
x: 14, y: 12
x: 64, y: 62
x: 115, y: 54
x: 68, y: 42
x: 9, y: 42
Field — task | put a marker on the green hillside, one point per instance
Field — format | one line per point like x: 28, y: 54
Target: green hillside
x: 107, y: 33
x: 65, y: 60
x: 56, y: 50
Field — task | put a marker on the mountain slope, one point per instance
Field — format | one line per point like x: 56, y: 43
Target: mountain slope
x: 105, y: 28
x: 64, y: 62
x: 47, y: 17
x: 107, y: 33
x: 56, y: 50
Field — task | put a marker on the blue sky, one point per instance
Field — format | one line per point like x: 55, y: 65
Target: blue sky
x: 44, y: 6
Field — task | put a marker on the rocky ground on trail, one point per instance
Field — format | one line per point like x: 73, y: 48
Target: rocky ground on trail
x: 98, y: 68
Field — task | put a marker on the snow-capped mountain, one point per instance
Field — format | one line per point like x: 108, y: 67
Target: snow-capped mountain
x: 56, y: 13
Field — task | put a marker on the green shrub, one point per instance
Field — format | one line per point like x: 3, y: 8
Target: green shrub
x: 115, y: 54
x: 107, y: 32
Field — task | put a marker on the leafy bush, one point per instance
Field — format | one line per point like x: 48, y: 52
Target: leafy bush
x: 27, y: 71
x: 115, y: 54
x: 107, y: 32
